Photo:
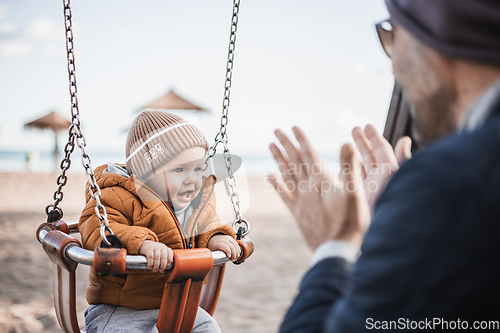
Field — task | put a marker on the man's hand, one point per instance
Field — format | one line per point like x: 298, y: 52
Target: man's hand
x: 325, y: 208
x: 225, y: 243
x: 159, y: 255
x: 379, y: 160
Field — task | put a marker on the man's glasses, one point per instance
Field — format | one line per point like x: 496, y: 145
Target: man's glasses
x: 386, y: 36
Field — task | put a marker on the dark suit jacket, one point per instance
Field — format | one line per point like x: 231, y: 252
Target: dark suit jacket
x: 432, y: 251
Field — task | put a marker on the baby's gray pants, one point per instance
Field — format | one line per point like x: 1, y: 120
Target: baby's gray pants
x: 104, y: 318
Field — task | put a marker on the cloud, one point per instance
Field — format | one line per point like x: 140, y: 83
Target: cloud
x: 41, y: 35
x: 14, y: 48
x: 7, y: 28
x: 3, y: 10
x: 44, y: 29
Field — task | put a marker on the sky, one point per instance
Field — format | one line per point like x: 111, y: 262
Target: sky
x: 317, y: 64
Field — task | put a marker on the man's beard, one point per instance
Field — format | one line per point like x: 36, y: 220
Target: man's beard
x: 434, y: 116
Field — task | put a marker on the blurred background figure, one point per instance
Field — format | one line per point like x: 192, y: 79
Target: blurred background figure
x: 32, y: 159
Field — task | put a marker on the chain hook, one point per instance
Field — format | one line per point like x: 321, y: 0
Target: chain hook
x: 103, y: 230
x: 241, y: 222
x: 53, y: 213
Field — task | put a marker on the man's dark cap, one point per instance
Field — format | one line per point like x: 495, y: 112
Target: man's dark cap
x: 468, y: 29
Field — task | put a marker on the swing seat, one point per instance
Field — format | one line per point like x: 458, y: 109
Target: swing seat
x: 184, y: 290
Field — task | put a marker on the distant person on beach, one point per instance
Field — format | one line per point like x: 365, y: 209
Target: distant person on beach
x: 157, y: 202
x: 32, y: 157
x: 426, y: 256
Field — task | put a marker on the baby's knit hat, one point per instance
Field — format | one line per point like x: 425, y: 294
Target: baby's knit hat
x: 155, y: 138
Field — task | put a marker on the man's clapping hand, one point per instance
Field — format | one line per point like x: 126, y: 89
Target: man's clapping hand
x: 379, y: 160
x: 327, y: 207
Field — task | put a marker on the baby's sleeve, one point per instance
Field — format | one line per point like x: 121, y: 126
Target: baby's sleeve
x: 213, y: 228
x: 119, y: 222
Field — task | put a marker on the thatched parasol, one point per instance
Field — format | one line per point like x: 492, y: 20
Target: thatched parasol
x: 54, y: 122
x: 172, y: 101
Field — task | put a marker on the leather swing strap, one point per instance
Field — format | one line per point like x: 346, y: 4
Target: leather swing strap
x: 56, y: 242
x: 64, y: 280
x: 182, y: 291
x: 213, y: 285
x: 247, y: 247
x: 211, y: 289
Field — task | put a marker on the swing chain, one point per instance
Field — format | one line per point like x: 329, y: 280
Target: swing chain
x: 221, y: 136
x: 76, y: 136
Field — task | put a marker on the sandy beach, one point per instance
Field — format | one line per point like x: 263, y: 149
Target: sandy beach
x: 254, y: 297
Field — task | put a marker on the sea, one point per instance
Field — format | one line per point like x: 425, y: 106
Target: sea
x: 43, y: 162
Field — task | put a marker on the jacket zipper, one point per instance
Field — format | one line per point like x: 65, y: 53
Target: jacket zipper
x: 184, y: 241
x: 184, y: 236
x: 203, y: 207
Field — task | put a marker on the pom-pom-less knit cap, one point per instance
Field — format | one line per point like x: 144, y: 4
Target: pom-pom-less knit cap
x: 468, y: 29
x: 155, y: 138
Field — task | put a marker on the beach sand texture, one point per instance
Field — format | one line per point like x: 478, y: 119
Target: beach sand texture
x: 254, y: 297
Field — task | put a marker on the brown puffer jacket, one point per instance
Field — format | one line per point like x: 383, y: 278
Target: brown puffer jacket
x: 135, y: 214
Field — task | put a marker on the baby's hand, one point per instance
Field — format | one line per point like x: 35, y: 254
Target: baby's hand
x: 225, y: 243
x: 158, y: 254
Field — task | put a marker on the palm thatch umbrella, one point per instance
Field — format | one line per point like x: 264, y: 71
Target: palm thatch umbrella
x: 54, y: 122
x: 172, y: 101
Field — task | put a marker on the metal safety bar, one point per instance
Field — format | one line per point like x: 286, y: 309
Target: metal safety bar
x: 86, y: 257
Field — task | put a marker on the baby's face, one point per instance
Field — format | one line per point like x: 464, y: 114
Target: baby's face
x: 179, y: 180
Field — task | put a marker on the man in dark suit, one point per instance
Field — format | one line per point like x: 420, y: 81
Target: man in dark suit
x: 430, y: 247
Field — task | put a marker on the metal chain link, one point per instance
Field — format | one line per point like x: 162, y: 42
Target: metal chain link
x: 221, y: 136
x: 76, y: 136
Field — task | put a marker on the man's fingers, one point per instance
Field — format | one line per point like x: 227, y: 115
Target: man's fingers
x: 280, y: 187
x: 308, y: 153
x: 365, y: 148
x: 283, y: 163
x: 382, y: 149
x: 363, y: 171
x: 403, y: 149
x: 294, y: 154
x: 350, y: 168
